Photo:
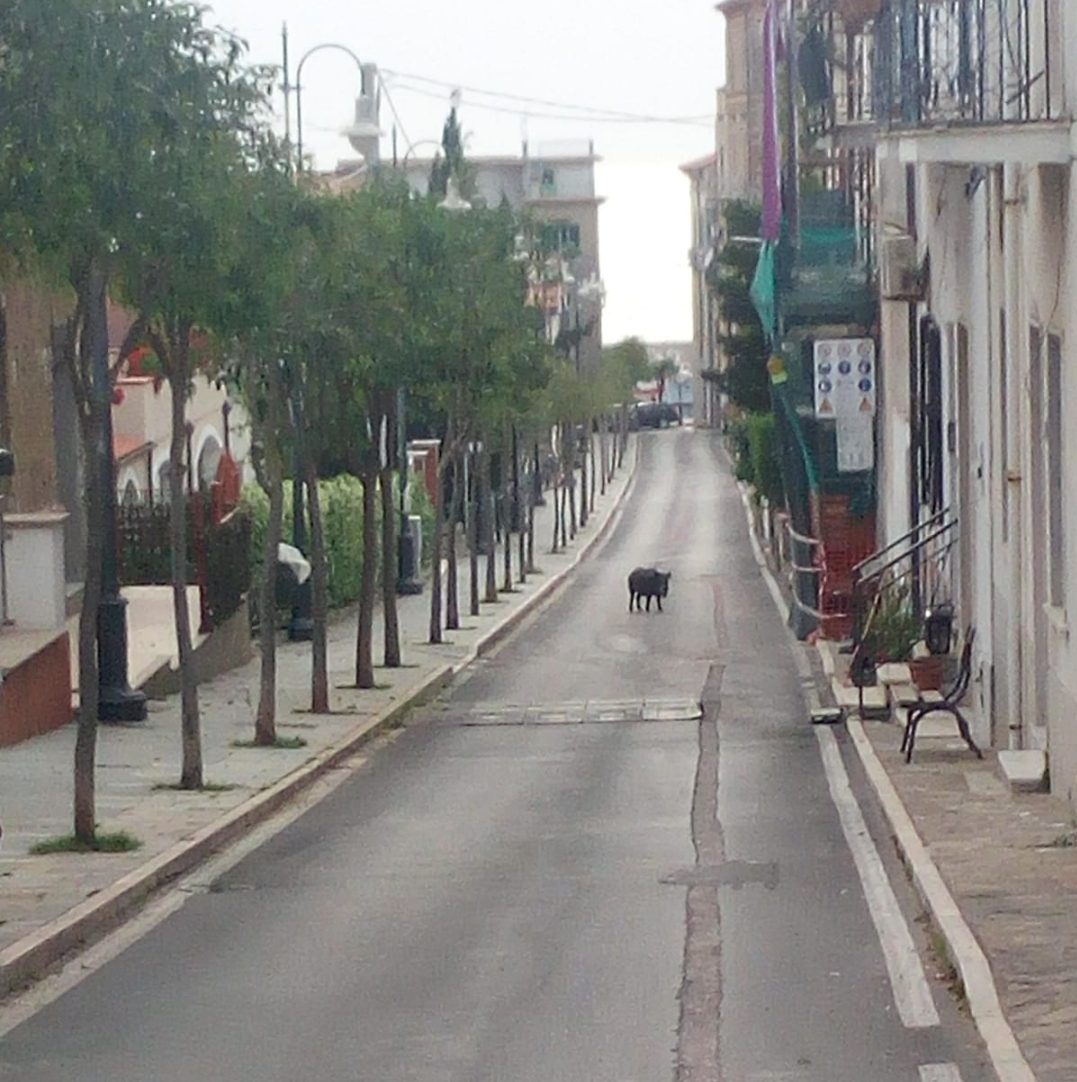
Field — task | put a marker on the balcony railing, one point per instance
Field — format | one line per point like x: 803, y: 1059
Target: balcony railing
x: 972, y: 61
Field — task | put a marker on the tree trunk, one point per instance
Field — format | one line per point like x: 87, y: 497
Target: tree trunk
x: 584, y: 511
x: 448, y: 450
x: 389, y: 566
x: 452, y: 601
x: 265, y: 722
x: 624, y: 437
x: 570, y: 457
x: 364, y: 643
x: 594, y: 465
x: 191, y: 775
x: 488, y: 526
x: 506, y: 539
x: 473, y: 537
x: 603, y: 464
x: 319, y: 596
x: 85, y: 341
x: 557, y: 512
x: 435, y: 575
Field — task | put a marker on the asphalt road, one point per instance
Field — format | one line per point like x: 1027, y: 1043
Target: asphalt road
x: 505, y: 894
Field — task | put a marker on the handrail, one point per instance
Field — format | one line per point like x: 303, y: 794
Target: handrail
x: 926, y: 524
x: 858, y: 576
x: 940, y: 531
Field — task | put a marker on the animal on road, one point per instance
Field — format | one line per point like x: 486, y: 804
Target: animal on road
x: 647, y: 582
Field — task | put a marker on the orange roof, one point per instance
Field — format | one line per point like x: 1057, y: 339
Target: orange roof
x: 125, y: 447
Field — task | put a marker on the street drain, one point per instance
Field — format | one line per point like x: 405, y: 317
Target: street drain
x: 595, y: 712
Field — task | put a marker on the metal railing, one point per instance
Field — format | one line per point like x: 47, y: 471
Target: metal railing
x: 974, y: 61
x: 915, y: 562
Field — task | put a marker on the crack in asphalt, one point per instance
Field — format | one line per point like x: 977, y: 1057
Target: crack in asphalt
x: 701, y: 988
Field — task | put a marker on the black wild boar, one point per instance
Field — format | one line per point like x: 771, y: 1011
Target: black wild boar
x: 647, y: 582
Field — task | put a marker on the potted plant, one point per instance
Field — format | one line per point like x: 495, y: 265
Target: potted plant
x: 893, y: 629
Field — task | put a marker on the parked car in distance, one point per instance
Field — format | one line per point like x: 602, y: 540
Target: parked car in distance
x: 653, y: 415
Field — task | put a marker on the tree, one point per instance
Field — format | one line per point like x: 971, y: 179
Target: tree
x: 664, y: 370
x: 175, y: 267
x: 85, y: 120
x: 252, y: 321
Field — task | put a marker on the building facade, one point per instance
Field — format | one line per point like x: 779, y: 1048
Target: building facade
x: 950, y: 127
x: 705, y: 353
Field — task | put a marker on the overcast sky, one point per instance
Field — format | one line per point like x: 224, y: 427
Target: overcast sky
x: 632, y: 56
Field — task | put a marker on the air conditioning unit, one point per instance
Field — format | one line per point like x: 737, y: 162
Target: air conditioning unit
x: 900, y: 276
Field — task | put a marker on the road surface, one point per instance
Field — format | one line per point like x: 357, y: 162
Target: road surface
x: 508, y: 893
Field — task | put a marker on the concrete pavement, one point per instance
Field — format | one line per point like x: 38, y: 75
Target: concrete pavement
x: 996, y: 870
x: 533, y: 883
x: 51, y: 904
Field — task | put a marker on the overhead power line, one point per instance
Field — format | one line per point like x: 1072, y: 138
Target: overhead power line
x: 586, y: 112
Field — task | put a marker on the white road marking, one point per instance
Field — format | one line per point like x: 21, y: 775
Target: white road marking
x: 940, y: 1072
x: 911, y: 990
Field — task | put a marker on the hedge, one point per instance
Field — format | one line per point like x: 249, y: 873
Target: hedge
x: 342, y: 516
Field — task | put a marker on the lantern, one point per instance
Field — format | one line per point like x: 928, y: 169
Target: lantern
x: 939, y: 629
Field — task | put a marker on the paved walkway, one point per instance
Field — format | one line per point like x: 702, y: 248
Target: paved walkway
x: 135, y: 763
x: 1010, y: 861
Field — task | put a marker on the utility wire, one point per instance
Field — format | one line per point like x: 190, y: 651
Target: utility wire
x: 591, y: 111
x: 694, y: 122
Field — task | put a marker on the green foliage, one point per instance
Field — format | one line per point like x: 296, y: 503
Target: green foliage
x: 118, y: 842
x: 764, y: 453
x: 342, y: 513
x: 730, y: 277
x: 624, y: 365
x: 740, y: 449
x: 894, y: 630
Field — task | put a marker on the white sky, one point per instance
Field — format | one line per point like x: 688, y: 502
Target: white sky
x: 636, y: 56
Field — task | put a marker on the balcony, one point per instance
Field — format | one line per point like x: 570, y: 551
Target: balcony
x: 984, y: 62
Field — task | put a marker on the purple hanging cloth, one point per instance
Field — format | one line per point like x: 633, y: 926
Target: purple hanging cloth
x: 772, y: 195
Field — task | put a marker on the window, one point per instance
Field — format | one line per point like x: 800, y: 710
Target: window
x: 1055, y: 452
x: 561, y: 237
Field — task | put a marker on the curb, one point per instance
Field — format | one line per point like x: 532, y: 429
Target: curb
x: 31, y: 957
x: 964, y: 949
x: 967, y: 955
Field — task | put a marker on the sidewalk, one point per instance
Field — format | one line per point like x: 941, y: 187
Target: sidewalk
x: 50, y: 904
x: 1010, y: 862
x: 995, y: 869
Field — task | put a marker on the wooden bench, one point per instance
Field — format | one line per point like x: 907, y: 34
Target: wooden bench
x: 949, y: 703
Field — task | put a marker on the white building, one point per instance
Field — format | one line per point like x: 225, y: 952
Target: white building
x: 977, y: 210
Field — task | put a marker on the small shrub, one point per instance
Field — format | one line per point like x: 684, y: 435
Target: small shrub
x: 763, y: 451
x: 118, y: 842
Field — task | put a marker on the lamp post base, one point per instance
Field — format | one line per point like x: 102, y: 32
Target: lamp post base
x: 301, y: 626
x: 408, y: 583
x: 117, y: 700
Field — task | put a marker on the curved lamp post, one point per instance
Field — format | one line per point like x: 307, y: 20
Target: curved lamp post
x: 365, y: 126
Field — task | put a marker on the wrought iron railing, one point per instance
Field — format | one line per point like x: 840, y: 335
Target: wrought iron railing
x: 918, y: 563
x: 974, y: 61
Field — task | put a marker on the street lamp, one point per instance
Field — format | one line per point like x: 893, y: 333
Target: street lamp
x: 363, y: 129
x: 117, y: 700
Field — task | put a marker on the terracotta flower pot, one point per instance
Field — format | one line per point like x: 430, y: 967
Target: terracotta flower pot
x: 928, y: 673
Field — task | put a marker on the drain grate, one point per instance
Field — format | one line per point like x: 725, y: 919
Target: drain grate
x: 595, y: 712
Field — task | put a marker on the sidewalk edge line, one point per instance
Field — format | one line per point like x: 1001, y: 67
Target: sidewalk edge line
x: 1002, y: 1044
x: 30, y: 958
x: 1003, y: 1048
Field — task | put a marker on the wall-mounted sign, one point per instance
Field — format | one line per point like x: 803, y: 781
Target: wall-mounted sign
x: 845, y: 384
